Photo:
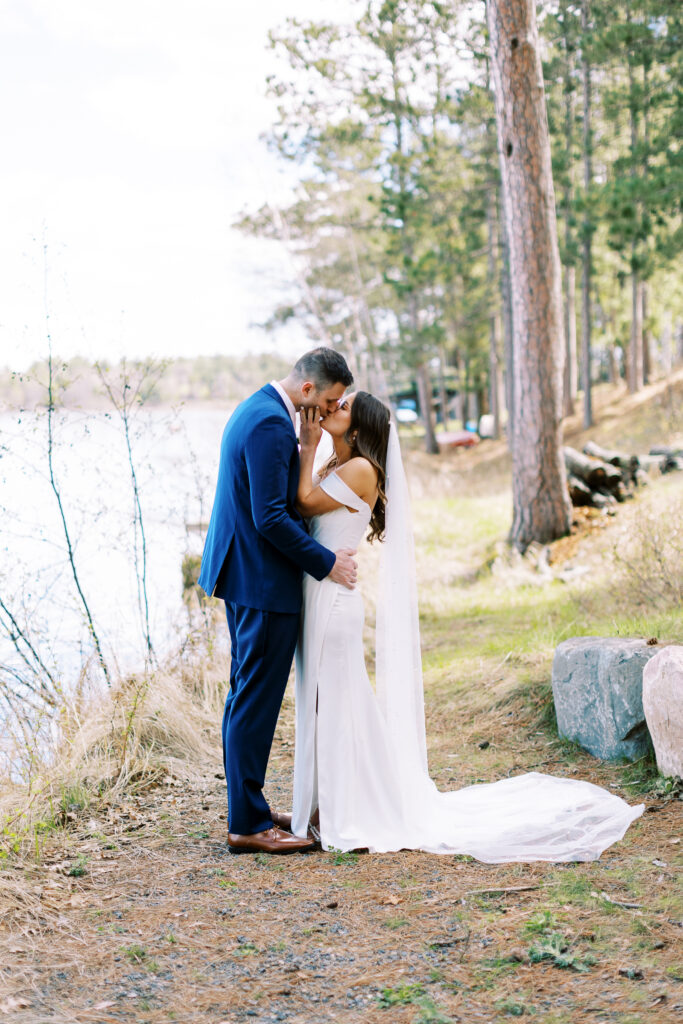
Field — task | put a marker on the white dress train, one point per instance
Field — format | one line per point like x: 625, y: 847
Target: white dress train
x: 374, y: 792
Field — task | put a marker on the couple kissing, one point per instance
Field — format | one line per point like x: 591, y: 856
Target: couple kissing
x: 279, y: 552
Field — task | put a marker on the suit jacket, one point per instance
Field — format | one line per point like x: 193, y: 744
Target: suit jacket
x: 257, y: 547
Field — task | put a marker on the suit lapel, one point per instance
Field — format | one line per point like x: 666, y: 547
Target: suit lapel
x: 270, y: 391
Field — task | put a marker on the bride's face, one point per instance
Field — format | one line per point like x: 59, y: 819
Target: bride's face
x: 338, y: 422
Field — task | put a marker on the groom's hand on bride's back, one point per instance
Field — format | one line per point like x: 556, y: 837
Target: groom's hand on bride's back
x: 345, y: 568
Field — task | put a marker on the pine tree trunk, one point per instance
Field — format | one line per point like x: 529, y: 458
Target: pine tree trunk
x: 667, y: 354
x: 570, y: 361
x: 424, y: 392
x: 647, y: 340
x: 365, y: 328
x: 351, y: 356
x: 495, y: 390
x: 626, y: 353
x: 647, y: 354
x: 635, y: 359
x: 508, y: 329
x: 459, y: 405
x: 635, y: 355
x: 587, y: 253
x: 483, y: 400
x: 612, y: 365
x: 443, y: 394
x: 541, y: 506
x: 460, y: 408
x: 494, y: 319
x: 466, y: 388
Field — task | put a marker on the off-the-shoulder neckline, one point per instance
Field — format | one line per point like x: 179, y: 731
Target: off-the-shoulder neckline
x: 335, y: 473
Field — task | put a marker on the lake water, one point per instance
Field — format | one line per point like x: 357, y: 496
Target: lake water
x: 176, y: 459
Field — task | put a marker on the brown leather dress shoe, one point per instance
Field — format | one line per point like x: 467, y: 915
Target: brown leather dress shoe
x: 282, y: 820
x: 273, y: 840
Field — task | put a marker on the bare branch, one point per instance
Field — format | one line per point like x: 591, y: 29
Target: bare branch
x: 57, y: 493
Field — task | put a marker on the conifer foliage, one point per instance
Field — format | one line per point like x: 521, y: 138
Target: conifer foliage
x: 406, y: 255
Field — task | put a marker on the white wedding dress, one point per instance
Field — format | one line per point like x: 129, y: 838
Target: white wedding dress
x: 361, y: 755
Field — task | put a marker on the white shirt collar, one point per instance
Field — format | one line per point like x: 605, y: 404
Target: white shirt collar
x: 289, y: 404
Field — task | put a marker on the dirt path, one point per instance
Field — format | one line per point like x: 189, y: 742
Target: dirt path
x: 141, y: 915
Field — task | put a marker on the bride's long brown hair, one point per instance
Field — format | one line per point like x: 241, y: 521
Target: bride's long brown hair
x: 368, y: 436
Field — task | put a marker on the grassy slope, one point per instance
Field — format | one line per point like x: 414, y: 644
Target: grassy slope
x: 156, y: 923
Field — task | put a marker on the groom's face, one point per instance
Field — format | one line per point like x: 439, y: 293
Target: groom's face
x: 326, y: 399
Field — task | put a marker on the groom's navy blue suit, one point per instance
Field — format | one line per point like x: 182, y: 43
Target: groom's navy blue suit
x: 256, y: 552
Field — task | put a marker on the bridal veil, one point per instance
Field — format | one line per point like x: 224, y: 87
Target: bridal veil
x: 526, y: 817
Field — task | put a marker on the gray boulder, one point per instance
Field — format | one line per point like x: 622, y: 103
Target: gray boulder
x: 598, y: 694
x: 663, y: 706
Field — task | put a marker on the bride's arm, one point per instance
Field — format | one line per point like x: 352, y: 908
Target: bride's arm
x: 311, y: 500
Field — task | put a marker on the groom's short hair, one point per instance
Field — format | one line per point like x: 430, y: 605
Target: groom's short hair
x: 324, y: 367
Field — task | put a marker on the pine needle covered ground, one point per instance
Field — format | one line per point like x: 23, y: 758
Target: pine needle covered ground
x: 126, y: 907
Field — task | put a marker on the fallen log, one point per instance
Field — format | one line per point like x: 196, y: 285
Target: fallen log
x: 671, y: 458
x: 598, y: 475
x: 663, y: 449
x: 602, y: 500
x: 579, y: 492
x: 628, y: 464
x: 622, y: 492
x: 582, y: 495
x: 648, y: 462
x: 672, y: 463
x: 591, y: 472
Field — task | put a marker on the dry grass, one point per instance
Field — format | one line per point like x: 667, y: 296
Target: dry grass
x: 648, y: 553
x: 122, y: 741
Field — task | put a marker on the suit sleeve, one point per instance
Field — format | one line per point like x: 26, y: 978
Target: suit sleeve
x: 268, y: 451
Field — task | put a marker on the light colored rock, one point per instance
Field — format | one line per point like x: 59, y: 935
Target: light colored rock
x: 663, y: 707
x: 597, y: 688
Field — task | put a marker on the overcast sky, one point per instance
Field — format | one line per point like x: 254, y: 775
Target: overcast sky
x: 130, y: 142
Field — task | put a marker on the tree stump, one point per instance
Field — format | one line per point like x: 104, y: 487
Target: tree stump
x: 597, y: 689
x: 663, y: 706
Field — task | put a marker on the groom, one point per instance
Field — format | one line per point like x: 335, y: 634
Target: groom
x: 256, y: 552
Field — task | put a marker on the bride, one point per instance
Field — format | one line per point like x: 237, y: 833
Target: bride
x: 360, y: 773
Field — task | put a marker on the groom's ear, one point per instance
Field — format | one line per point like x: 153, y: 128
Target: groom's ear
x: 307, y: 387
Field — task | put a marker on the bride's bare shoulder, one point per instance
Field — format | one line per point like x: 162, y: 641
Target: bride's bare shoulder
x: 359, y: 473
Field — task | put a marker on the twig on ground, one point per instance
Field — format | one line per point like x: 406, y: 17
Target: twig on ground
x: 616, y: 903
x: 509, y: 888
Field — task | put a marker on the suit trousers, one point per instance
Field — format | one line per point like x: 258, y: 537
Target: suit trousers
x: 262, y: 646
